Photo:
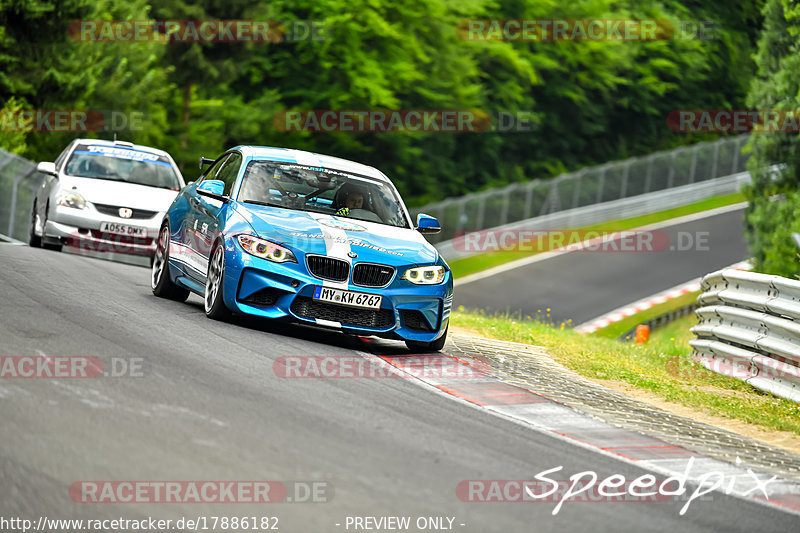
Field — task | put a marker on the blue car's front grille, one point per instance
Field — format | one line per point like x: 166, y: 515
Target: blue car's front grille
x: 328, y: 268
x: 347, y: 316
x: 371, y: 275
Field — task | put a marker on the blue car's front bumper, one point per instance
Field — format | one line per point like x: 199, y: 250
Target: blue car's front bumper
x: 258, y: 287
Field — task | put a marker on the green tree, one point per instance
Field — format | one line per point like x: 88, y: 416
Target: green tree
x: 776, y: 175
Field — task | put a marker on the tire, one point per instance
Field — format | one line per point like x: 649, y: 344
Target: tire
x: 34, y: 241
x: 162, y: 286
x: 47, y: 245
x: 428, y: 347
x: 215, y: 277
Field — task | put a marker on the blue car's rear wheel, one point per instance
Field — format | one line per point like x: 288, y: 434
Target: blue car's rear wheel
x: 214, y: 304
x: 159, y: 275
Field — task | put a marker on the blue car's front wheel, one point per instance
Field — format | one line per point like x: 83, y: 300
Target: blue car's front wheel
x: 214, y: 304
x: 428, y: 347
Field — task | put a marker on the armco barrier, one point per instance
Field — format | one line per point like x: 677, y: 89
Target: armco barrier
x: 750, y: 329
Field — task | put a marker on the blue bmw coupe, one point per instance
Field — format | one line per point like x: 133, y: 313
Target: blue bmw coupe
x: 287, y: 234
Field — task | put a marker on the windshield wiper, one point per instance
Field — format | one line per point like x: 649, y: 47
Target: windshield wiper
x: 268, y: 204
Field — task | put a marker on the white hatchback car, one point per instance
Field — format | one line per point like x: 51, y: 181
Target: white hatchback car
x: 104, y: 196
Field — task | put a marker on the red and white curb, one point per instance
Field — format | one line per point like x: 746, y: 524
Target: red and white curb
x: 547, y: 416
x: 646, y: 303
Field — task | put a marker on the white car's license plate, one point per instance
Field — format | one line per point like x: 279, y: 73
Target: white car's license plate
x: 122, y: 229
x: 353, y: 299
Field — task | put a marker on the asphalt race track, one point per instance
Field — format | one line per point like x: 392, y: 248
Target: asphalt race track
x: 208, y: 406
x: 583, y: 285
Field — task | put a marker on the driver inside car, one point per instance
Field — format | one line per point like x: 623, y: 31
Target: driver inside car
x: 349, y: 197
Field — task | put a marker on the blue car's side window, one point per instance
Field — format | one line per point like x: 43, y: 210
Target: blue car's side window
x: 229, y: 171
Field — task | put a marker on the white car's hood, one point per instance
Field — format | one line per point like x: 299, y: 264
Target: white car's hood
x: 119, y: 193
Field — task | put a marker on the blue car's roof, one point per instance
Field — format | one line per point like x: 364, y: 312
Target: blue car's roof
x: 309, y: 158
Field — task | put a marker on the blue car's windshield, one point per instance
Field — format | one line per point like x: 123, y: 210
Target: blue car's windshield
x: 321, y: 190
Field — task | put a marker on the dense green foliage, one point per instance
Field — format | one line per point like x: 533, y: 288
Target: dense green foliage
x: 774, y: 210
x: 591, y: 101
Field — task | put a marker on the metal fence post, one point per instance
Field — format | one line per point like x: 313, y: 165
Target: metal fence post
x: 481, y: 211
x: 671, y: 175
x: 736, y: 151
x: 504, y: 208
x: 576, y: 192
x: 625, y: 171
x: 693, y: 167
x: 461, y: 207
x: 601, y: 182
x: 529, y: 198
x: 715, y: 161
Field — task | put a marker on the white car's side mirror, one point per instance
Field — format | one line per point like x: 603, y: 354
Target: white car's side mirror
x: 46, y: 167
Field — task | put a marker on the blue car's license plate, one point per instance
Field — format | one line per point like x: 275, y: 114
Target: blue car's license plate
x: 354, y: 299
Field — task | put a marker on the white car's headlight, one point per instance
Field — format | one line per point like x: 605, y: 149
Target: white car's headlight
x: 427, y: 275
x: 72, y: 199
x: 265, y: 249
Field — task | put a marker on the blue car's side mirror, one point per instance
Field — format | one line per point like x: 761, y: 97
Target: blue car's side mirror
x: 427, y: 224
x: 213, y: 189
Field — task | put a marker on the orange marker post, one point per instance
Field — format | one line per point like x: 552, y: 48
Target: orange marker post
x: 642, y: 334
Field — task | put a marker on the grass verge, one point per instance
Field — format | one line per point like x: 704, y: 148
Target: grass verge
x: 662, y: 367
x: 470, y: 265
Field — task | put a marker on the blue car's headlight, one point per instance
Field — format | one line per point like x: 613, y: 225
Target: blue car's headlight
x: 427, y: 275
x: 265, y: 249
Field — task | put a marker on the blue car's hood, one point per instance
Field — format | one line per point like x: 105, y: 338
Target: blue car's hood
x: 336, y: 236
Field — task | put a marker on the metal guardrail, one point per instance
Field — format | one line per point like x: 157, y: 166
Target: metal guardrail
x: 750, y: 329
x: 18, y: 181
x: 589, y: 186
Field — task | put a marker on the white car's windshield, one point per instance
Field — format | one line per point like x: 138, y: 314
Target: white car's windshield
x: 321, y: 190
x: 122, y: 164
